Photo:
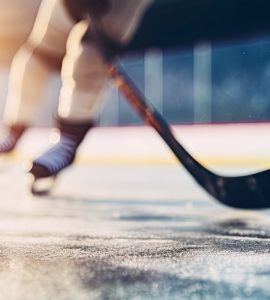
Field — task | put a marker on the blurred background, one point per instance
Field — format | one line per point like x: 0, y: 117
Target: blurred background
x: 207, y: 84
x: 228, y: 83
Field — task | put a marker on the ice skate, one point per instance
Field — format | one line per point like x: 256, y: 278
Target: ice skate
x: 46, y: 168
x: 8, y: 142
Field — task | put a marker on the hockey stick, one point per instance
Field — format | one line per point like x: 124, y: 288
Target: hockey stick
x: 246, y: 192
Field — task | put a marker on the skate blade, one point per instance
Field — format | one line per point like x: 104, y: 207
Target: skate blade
x: 42, y: 186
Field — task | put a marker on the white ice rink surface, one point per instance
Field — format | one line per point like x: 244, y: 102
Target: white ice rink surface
x: 127, y: 222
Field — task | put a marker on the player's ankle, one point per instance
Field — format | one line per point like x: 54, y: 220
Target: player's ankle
x: 63, y: 153
x: 9, y: 141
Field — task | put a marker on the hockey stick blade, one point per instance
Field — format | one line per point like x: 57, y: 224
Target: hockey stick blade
x: 245, y: 192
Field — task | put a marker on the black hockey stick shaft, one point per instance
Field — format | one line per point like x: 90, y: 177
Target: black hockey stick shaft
x: 152, y: 117
x: 250, y: 191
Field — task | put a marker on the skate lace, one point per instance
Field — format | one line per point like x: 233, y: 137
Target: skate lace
x: 60, y: 156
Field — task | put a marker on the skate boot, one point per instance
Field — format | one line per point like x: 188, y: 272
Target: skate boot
x: 8, y: 143
x: 59, y: 157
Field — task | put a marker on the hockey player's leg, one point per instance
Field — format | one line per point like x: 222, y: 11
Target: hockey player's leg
x: 23, y: 97
x: 31, y: 68
x: 84, y: 76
